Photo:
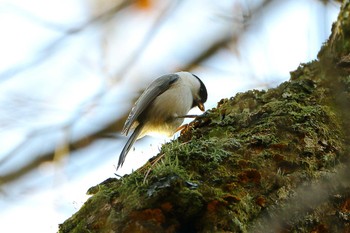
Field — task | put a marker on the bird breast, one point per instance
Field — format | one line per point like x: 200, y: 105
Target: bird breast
x: 162, y: 115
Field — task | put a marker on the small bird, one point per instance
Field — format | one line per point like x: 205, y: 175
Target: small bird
x: 162, y: 107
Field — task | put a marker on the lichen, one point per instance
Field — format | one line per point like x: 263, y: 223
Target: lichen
x: 219, y: 171
x: 245, y: 163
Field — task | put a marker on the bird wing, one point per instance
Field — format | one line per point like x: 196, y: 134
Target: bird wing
x: 129, y: 144
x: 156, y: 88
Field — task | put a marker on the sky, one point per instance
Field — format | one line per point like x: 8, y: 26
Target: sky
x: 58, y: 84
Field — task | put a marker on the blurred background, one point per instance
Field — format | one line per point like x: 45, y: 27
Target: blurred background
x: 70, y: 71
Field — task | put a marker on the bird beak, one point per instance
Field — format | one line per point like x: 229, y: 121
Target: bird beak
x: 201, y: 106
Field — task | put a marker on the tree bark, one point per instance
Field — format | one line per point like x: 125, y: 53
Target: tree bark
x: 262, y: 161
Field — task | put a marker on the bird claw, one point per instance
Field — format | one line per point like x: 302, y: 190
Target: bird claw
x: 182, y: 127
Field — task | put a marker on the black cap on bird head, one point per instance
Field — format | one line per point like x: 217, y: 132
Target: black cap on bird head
x: 203, y: 95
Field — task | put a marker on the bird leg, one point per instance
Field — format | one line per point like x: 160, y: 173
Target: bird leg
x: 187, y: 116
x: 185, y: 125
x: 181, y: 127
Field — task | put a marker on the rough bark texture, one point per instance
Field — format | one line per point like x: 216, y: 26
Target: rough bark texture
x: 262, y: 161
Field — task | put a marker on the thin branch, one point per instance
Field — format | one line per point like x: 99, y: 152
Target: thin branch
x: 49, y: 49
x: 161, y: 19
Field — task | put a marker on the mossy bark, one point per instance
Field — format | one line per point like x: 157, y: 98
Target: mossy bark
x: 262, y: 161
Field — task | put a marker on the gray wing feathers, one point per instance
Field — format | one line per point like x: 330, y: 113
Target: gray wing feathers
x: 156, y: 88
x: 128, y: 145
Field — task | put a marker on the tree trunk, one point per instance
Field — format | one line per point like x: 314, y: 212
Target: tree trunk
x: 262, y: 161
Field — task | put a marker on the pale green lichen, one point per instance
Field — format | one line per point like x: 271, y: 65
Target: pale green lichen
x: 242, y: 163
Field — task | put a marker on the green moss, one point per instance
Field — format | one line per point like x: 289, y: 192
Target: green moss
x: 235, y: 163
x: 217, y: 173
x: 93, y: 215
x: 240, y: 165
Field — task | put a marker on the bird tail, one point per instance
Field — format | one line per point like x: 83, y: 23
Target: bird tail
x: 129, y: 144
